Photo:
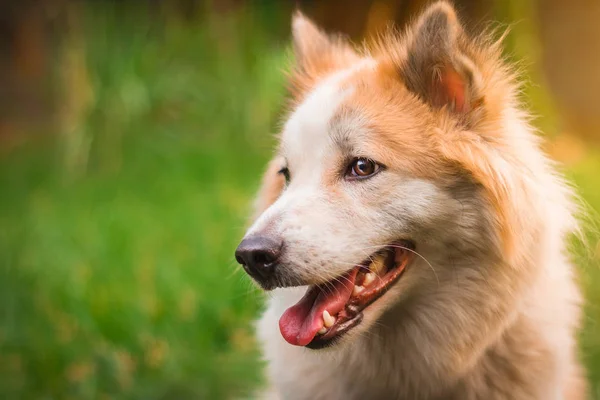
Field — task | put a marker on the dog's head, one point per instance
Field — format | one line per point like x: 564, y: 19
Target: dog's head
x: 391, y: 170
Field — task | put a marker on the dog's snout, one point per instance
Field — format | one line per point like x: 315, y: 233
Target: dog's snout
x: 258, y: 255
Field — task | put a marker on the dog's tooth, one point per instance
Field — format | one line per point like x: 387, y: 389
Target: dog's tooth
x: 369, y: 278
x: 357, y: 290
x: 322, y: 330
x: 328, y: 320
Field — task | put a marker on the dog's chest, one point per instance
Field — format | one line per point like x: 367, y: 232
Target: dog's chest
x: 328, y: 384
x: 304, y: 375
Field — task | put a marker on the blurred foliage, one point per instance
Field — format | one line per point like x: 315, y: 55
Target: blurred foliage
x: 116, y: 270
x: 116, y: 234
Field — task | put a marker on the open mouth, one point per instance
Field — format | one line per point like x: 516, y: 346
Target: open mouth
x: 329, y: 310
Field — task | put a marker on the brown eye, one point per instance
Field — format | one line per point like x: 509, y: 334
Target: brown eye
x: 363, y: 168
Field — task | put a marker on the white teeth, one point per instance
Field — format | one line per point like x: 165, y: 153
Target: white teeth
x: 322, y: 331
x: 328, y: 320
x: 369, y: 278
x: 357, y: 290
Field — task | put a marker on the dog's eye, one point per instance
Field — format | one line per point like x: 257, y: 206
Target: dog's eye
x: 286, y: 174
x: 362, y: 168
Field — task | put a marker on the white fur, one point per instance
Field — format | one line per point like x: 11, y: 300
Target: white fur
x: 465, y: 321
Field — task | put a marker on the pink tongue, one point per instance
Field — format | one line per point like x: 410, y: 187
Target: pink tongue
x: 300, y: 323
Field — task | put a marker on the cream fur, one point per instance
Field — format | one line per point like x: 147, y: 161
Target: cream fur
x: 491, y: 309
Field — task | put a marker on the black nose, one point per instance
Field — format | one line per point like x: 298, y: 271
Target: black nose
x: 258, y: 255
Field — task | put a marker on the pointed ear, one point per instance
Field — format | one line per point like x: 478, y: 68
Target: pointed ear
x: 316, y: 52
x: 308, y: 40
x: 437, y: 68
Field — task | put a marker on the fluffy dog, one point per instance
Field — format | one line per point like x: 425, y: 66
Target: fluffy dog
x: 410, y: 229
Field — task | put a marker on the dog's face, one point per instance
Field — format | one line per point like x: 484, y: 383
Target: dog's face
x: 346, y: 196
x: 364, y: 197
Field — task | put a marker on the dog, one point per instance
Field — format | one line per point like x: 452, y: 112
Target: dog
x: 410, y: 231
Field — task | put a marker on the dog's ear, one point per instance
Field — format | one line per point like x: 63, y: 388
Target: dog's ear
x: 309, y: 41
x: 437, y: 67
x: 316, y: 52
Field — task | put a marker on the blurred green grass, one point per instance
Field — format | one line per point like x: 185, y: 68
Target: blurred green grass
x: 116, y: 236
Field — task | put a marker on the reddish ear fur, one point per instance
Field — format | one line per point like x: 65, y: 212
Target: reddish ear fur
x: 436, y: 69
x: 450, y: 88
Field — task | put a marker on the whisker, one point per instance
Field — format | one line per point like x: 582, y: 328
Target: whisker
x: 422, y: 257
x: 412, y: 251
x: 236, y: 269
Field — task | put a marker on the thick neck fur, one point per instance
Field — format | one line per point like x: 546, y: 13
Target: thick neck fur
x: 489, y: 309
x: 479, y: 329
x: 417, y: 351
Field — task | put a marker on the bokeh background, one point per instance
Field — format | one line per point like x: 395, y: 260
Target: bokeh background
x: 132, y: 138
